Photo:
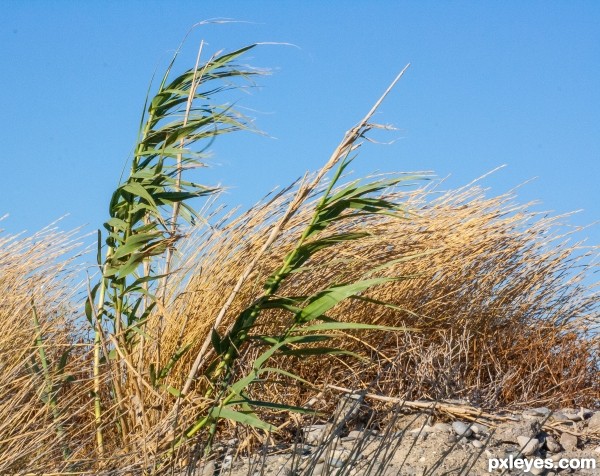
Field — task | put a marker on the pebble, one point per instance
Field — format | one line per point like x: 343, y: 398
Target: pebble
x: 226, y: 464
x: 302, y: 449
x: 477, y: 444
x: 208, y: 469
x: 510, y: 431
x: 537, y: 412
x: 553, y: 445
x: 442, y: 427
x: 313, y: 433
x: 597, y: 450
x: 462, y: 429
x: 573, y: 416
x: 559, y: 417
x: 479, y: 429
x: 568, y: 442
x: 336, y: 462
x: 528, y: 445
x: 594, y: 421
x: 319, y: 469
x: 556, y: 457
x: 536, y: 471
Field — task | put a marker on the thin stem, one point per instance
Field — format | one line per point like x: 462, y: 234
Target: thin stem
x: 48, y: 381
x: 342, y: 150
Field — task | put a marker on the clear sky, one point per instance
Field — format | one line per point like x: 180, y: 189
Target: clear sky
x: 491, y: 83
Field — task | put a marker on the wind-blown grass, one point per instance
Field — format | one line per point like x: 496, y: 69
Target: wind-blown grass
x: 240, y: 321
x: 504, y: 313
x: 36, y: 334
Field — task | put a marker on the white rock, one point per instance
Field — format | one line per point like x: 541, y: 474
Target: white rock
x: 226, y: 464
x: 479, y: 429
x: 573, y: 416
x: 537, y: 412
x: 338, y: 458
x: 462, y: 429
x: 313, y: 433
x: 318, y: 469
x: 342, y: 454
x: 208, y: 469
x: 553, y: 445
x: 442, y: 427
x: 536, y: 471
x: 528, y: 445
x: 559, y: 417
x: 568, y: 442
x: 594, y: 421
x: 556, y: 457
x: 336, y: 462
x: 477, y: 443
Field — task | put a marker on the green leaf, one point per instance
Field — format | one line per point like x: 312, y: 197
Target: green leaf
x: 323, y: 351
x: 135, y: 188
x: 153, y: 379
x: 173, y: 360
x: 261, y: 359
x: 62, y: 363
x: 325, y: 300
x: 249, y: 419
x: 216, y: 341
x: 138, y: 331
x: 89, y: 303
x: 282, y: 406
x: 134, y: 243
x: 286, y: 374
x: 304, y: 252
x: 172, y: 390
x: 242, y: 384
x: 345, y: 326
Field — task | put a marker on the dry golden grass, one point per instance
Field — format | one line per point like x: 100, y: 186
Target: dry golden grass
x: 502, y: 311
x: 502, y: 305
x: 37, y: 271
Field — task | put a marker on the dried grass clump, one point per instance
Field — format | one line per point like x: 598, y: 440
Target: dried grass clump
x: 37, y: 273
x: 501, y: 301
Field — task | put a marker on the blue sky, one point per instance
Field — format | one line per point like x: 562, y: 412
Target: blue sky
x: 491, y: 83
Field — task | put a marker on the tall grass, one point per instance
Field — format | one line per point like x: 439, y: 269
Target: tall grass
x: 37, y: 335
x: 201, y: 325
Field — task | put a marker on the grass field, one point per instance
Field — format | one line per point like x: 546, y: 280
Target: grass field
x: 202, y: 325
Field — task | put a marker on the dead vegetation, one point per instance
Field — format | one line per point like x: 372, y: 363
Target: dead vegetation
x: 419, y: 294
x: 499, y: 299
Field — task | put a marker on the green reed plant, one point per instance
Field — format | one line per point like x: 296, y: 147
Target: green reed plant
x: 309, y: 324
x: 146, y: 213
x: 148, y: 207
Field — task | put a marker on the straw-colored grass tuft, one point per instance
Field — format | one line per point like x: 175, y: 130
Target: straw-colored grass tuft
x: 36, y: 330
x: 500, y: 300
